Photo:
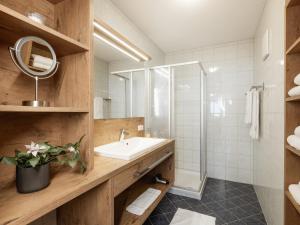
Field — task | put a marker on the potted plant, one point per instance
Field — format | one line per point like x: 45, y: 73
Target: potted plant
x: 32, y: 166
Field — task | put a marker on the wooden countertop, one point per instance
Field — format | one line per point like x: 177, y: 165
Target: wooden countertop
x: 18, y: 208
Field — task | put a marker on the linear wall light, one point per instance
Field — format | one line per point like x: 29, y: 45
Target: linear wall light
x: 117, y: 41
x: 116, y: 46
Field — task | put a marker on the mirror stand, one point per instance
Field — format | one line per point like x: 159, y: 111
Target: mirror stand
x: 35, y: 58
x: 36, y: 102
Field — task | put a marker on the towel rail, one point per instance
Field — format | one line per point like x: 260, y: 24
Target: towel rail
x: 262, y: 87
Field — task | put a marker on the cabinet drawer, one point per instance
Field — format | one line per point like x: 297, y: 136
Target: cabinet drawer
x: 124, y: 179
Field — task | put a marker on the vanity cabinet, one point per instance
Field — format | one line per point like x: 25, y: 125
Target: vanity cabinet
x: 138, y: 170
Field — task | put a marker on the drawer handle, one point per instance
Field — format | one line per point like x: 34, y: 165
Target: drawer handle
x: 143, y: 172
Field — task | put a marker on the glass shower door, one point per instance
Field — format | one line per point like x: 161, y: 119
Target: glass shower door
x: 186, y: 127
x: 160, y: 104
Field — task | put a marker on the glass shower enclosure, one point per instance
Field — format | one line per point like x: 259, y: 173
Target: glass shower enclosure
x: 172, y: 98
x: 178, y: 110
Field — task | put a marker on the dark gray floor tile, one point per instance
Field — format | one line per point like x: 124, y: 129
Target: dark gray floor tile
x: 237, y: 222
x: 159, y: 220
x: 239, y: 213
x: 214, y: 206
x: 182, y: 204
x: 253, y: 220
x: 148, y: 222
x: 166, y: 208
x: 227, y: 204
x: 170, y: 216
x: 226, y: 215
x: 174, y: 198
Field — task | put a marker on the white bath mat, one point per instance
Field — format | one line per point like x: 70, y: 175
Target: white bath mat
x: 187, y: 217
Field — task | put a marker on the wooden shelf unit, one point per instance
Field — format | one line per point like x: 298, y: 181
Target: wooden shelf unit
x: 68, y: 28
x: 292, y: 108
x: 291, y: 3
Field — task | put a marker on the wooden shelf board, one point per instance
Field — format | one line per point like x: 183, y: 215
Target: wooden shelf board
x: 13, y: 108
x: 14, y: 25
x: 131, y: 219
x: 293, y: 99
x: 291, y: 3
x: 293, y: 150
x: 55, y: 1
x: 295, y: 47
x: 292, y: 200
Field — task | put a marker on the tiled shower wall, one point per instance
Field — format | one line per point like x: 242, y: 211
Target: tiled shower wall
x: 230, y: 71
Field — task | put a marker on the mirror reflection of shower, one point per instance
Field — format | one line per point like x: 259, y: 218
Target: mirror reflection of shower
x: 126, y: 94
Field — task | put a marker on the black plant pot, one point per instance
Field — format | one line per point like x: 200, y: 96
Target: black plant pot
x: 32, y: 179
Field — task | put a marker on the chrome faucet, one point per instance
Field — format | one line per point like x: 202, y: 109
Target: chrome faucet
x: 122, y: 134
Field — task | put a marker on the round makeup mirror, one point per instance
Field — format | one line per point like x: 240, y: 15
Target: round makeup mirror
x: 36, y: 58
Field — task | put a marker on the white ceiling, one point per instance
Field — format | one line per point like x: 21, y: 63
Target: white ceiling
x: 107, y: 53
x: 186, y: 24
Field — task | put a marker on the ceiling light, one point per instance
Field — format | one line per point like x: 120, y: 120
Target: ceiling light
x: 120, y: 41
x: 116, y: 46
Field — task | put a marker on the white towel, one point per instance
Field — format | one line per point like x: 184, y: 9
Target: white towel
x: 297, y: 131
x: 42, y: 60
x: 294, y: 189
x: 294, y: 141
x: 294, y: 91
x: 41, y: 65
x: 248, y: 114
x: 142, y: 203
x: 297, y: 79
x: 254, y: 129
x: 187, y: 217
x: 98, y: 108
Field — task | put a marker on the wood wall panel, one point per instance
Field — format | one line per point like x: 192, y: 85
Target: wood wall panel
x: 108, y: 130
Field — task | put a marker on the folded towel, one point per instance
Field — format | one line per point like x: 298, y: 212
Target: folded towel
x: 41, y: 66
x: 254, y: 129
x: 142, y: 203
x: 42, y: 60
x: 294, y: 141
x: 248, y: 114
x: 297, y: 79
x: 294, y: 189
x: 297, y: 131
x: 294, y: 91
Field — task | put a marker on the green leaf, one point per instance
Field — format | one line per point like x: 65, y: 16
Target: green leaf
x: 34, y: 161
x: 72, y: 163
x: 9, y: 160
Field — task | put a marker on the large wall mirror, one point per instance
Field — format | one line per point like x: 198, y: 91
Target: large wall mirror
x: 122, y: 93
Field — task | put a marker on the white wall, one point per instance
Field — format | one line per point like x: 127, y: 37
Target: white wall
x: 230, y: 74
x: 108, y: 12
x: 268, y: 151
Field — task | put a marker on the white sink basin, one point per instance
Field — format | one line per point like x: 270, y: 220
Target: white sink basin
x: 129, y: 148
